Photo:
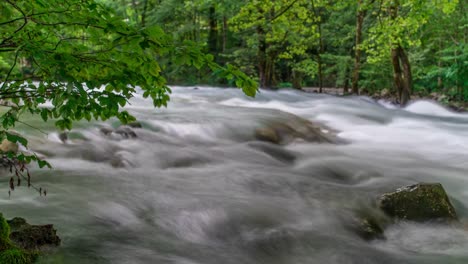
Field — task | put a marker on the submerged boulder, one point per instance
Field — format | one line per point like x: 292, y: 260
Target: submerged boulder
x: 369, y: 228
x: 135, y: 124
x: 283, y: 132
x: 419, y: 202
x: 422, y: 202
x: 122, y: 132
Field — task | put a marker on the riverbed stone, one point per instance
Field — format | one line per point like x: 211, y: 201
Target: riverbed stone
x: 32, y: 237
x: 419, y: 202
x: 369, y: 228
x: 284, y: 132
x: 267, y: 134
x: 10, y: 253
x: 135, y: 124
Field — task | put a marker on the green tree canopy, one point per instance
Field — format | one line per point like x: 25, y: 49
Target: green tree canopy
x: 87, y: 61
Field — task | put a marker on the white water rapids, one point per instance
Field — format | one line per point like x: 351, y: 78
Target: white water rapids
x: 195, y: 187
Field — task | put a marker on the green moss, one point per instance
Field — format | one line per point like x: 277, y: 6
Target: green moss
x: 4, y: 233
x: 420, y: 202
x: 9, y: 253
x: 16, y: 256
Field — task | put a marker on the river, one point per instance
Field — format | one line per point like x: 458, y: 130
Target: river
x: 194, y: 187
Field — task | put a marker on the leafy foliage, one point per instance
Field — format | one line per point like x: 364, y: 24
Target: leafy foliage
x: 87, y: 61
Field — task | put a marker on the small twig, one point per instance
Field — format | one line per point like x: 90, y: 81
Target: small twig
x: 33, y: 127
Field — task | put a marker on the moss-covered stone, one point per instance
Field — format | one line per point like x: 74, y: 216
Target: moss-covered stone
x: 9, y: 253
x: 16, y: 256
x: 294, y: 128
x: 267, y: 134
x: 32, y: 237
x: 420, y: 202
x: 4, y: 234
x: 16, y: 223
x: 369, y: 228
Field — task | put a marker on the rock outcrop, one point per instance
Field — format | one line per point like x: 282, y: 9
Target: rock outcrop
x: 278, y: 132
x: 422, y: 202
x: 21, y: 243
x: 32, y: 237
x: 419, y: 202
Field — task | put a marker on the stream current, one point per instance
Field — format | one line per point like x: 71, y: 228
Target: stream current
x: 196, y: 187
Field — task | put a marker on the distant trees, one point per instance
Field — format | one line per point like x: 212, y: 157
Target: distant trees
x: 405, y: 46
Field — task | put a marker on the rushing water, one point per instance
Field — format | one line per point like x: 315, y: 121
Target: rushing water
x: 196, y: 188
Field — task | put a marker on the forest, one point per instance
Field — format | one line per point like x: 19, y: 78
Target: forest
x: 365, y: 47
x: 233, y: 131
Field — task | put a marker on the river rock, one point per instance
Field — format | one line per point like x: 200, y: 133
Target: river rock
x: 32, y: 237
x: 121, y: 132
x: 8, y: 146
x: 369, y: 228
x: 135, y: 124
x: 419, y: 202
x: 125, y: 132
x: 11, y: 253
x: 295, y: 128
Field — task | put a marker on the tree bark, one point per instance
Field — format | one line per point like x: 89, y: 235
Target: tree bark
x: 402, y: 75
x: 357, y: 55
x: 320, y: 48
x: 297, y: 79
x: 346, y: 83
x: 143, y: 13
x: 213, y: 31
x: 225, y: 29
x: 261, y: 56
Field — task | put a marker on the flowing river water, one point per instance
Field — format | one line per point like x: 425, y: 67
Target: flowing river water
x: 195, y: 187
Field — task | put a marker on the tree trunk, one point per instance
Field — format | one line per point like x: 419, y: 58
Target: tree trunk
x: 297, y: 79
x: 261, y: 56
x: 225, y: 29
x: 346, y: 83
x: 402, y: 76
x: 213, y: 33
x: 357, y: 56
x: 407, y: 75
x: 143, y: 14
x: 320, y: 48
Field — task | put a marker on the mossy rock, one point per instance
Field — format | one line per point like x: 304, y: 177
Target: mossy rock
x: 32, y: 237
x: 267, y: 134
x: 420, y: 202
x: 17, y: 256
x: 9, y: 253
x: 294, y: 128
x: 4, y: 233
x: 369, y: 229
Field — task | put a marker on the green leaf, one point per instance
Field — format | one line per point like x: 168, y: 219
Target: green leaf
x: 16, y: 139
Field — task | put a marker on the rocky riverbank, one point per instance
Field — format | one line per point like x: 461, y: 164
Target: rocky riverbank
x: 387, y: 95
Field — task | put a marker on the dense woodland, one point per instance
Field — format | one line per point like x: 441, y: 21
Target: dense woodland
x: 403, y: 47
x: 362, y: 46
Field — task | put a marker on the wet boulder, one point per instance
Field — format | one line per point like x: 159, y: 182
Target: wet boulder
x: 125, y: 132
x: 419, y: 202
x: 135, y: 124
x: 284, y: 132
x: 368, y: 223
x: 32, y: 237
x: 11, y: 253
x: 369, y: 228
x: 122, y: 132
